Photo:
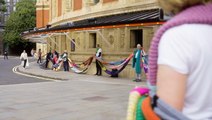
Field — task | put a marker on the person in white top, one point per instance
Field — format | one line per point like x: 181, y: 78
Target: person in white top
x: 24, y: 59
x: 33, y: 52
x: 64, y: 57
x: 98, y: 55
x: 184, y: 79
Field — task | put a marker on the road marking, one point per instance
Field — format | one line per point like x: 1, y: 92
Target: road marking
x: 32, y: 76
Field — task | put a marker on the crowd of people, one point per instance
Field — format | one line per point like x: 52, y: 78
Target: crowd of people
x: 139, y: 60
x: 52, y: 56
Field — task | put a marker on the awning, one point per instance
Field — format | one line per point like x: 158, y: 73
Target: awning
x: 152, y: 15
x: 42, y: 38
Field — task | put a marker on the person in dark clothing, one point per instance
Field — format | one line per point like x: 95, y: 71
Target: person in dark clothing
x: 49, y: 57
x: 55, y: 56
x: 39, y: 56
x: 64, y: 56
x: 5, y: 54
x: 98, y: 55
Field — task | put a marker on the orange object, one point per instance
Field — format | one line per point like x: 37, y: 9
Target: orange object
x: 148, y: 112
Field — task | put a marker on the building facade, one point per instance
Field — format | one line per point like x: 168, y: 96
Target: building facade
x: 79, y: 25
x: 10, y: 7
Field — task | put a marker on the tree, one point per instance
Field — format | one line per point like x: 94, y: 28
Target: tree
x: 19, y: 21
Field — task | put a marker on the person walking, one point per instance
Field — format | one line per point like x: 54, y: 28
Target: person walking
x: 98, y: 55
x: 180, y: 61
x: 137, y: 62
x: 64, y: 57
x: 39, y: 56
x: 24, y: 59
x: 5, y: 55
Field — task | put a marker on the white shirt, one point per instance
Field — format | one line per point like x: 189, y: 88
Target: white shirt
x: 32, y: 52
x: 99, y: 51
x: 64, y: 56
x: 188, y: 50
x: 24, y: 56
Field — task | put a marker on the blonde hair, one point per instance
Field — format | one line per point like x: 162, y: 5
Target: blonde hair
x: 176, y: 6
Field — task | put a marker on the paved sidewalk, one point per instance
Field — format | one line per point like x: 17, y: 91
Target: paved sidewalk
x: 79, y: 97
x: 35, y: 70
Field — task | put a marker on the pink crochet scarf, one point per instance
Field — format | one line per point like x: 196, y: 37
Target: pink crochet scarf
x: 200, y: 14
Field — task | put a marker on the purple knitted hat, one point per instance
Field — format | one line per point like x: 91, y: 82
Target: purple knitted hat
x: 200, y: 14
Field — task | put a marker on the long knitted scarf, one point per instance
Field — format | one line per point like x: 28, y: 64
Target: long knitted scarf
x: 77, y: 68
x: 200, y: 14
x: 120, y: 69
x: 115, y: 66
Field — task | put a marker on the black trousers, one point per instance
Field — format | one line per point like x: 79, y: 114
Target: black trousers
x: 98, y: 69
x: 39, y: 59
x: 47, y: 63
x: 66, y: 65
x: 25, y: 61
x: 5, y: 57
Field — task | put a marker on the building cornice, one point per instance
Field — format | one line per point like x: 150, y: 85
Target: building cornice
x: 80, y: 15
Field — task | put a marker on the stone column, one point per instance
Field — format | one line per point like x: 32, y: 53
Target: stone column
x: 54, y: 9
x: 100, y: 40
x: 59, y: 44
x: 127, y: 39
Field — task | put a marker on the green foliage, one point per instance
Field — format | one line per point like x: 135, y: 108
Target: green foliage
x: 20, y: 20
x: 3, y: 8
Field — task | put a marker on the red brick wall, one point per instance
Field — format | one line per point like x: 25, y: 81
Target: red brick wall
x: 46, y: 17
x: 42, y: 18
x: 59, y: 8
x: 39, y: 18
x: 106, y: 1
x: 77, y: 4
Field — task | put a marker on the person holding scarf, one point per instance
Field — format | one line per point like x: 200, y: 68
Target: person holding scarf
x: 137, y: 62
x: 49, y: 57
x: 98, y: 55
x: 64, y: 57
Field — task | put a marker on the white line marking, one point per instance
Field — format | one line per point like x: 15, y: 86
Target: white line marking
x: 32, y: 76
